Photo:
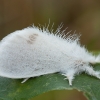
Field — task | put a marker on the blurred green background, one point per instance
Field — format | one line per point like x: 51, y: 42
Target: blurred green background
x: 80, y: 15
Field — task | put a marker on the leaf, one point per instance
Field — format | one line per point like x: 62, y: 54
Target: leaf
x: 13, y: 89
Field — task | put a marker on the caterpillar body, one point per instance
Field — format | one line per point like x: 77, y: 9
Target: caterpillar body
x: 32, y: 52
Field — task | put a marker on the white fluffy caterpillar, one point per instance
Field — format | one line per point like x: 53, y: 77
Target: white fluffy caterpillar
x: 33, y: 52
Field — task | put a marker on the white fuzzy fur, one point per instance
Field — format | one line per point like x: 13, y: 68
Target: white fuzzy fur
x: 44, y: 53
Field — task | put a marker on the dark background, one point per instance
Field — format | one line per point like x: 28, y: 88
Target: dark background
x: 80, y: 15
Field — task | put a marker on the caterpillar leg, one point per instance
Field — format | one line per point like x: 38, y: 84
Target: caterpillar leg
x: 69, y: 76
x: 97, y: 60
x: 24, y: 80
x: 89, y: 70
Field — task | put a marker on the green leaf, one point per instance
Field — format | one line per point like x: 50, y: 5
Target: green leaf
x: 13, y: 89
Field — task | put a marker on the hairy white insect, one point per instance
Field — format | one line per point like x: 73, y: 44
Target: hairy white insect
x: 33, y: 52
